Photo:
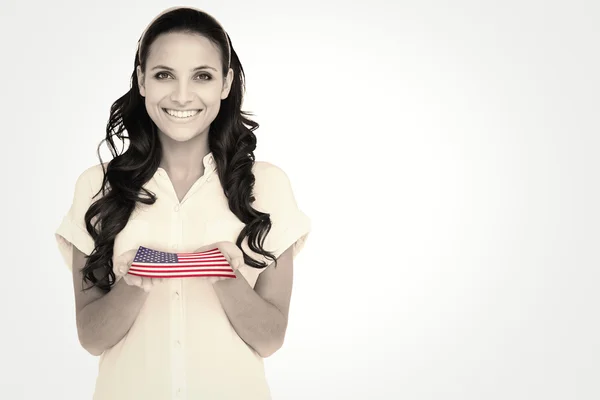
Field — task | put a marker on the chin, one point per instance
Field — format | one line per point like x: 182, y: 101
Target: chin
x: 179, y: 135
x: 180, y: 138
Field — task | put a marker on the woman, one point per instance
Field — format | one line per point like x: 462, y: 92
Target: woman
x: 188, y: 182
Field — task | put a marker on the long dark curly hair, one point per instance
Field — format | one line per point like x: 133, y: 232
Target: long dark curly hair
x: 231, y: 140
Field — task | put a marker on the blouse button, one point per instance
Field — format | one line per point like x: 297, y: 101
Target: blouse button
x: 174, y: 246
x: 176, y: 208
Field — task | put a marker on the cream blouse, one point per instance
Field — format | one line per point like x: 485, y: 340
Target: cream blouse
x: 182, y: 345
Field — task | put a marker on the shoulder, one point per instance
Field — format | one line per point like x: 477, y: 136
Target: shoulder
x: 267, y: 173
x: 91, y: 178
x: 94, y: 172
x: 272, y: 187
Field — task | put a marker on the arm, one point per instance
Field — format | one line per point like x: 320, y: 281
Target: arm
x: 103, y: 319
x: 259, y: 315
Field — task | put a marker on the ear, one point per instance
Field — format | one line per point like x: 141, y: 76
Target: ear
x: 140, y: 77
x: 227, y: 84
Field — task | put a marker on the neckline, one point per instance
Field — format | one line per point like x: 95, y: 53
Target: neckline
x: 208, y: 161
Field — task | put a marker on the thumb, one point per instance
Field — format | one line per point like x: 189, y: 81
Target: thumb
x: 133, y: 280
x: 122, y: 268
x: 234, y: 261
x: 146, y: 284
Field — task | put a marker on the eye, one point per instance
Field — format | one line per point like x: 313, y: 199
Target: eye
x: 206, y: 76
x: 158, y: 75
x: 203, y: 76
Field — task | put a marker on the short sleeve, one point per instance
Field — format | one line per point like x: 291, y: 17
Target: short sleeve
x: 274, y: 195
x: 71, y: 230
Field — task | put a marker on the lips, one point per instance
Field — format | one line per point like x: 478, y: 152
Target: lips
x: 182, y: 115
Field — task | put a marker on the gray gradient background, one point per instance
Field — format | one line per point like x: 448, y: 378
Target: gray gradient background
x: 445, y: 151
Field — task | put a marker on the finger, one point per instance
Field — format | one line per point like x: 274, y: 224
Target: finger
x: 135, y: 280
x: 156, y: 281
x: 231, y: 252
x: 122, y: 264
x: 117, y: 266
x: 146, y: 284
x: 236, y: 261
x: 229, y: 248
x: 122, y: 269
x: 232, y: 262
x: 213, y: 279
x: 240, y: 264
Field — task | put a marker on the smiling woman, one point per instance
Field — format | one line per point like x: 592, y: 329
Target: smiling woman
x: 188, y: 180
x: 183, y: 101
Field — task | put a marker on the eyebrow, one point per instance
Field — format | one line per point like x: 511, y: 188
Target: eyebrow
x: 193, y: 70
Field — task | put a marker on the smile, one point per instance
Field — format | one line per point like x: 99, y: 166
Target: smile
x: 181, y: 115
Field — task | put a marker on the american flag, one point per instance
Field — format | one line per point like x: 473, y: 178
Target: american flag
x: 159, y: 264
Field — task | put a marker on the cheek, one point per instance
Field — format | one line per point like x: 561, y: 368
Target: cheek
x: 213, y: 99
x: 154, y: 95
x: 210, y: 94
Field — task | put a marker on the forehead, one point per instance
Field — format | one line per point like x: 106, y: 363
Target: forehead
x: 173, y: 49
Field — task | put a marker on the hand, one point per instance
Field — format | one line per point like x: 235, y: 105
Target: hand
x: 121, y: 269
x: 233, y: 254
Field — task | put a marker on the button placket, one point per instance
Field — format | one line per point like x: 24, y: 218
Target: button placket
x: 176, y: 227
x: 177, y: 352
x: 177, y: 315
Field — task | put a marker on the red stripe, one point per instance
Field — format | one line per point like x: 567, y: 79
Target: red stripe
x: 184, y: 276
x: 213, y: 251
x: 199, y: 257
x: 179, y: 269
x: 187, y: 265
x: 201, y: 261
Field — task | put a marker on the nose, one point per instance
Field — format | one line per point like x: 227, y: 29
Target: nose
x: 182, y: 94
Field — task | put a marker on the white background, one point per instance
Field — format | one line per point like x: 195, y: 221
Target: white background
x: 446, y: 152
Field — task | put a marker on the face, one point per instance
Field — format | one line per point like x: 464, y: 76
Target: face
x: 183, y: 85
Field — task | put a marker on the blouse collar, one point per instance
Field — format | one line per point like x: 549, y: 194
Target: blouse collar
x: 208, y: 161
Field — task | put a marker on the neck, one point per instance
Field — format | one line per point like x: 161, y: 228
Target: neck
x: 184, y: 160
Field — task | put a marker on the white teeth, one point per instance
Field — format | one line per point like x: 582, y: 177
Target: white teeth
x: 181, y: 114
